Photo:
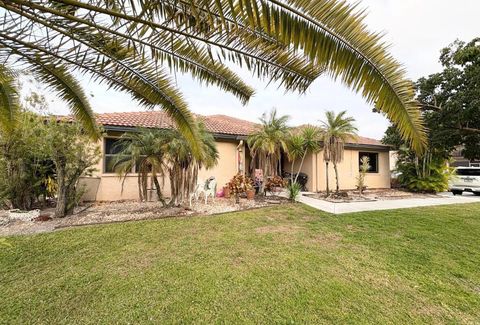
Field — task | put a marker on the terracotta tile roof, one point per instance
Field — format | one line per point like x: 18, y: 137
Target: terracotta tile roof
x: 368, y: 141
x: 228, y: 125
x: 157, y: 119
x: 220, y: 124
x: 148, y: 119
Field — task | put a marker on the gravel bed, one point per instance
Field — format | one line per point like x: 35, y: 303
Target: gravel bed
x: 109, y: 212
x: 372, y: 195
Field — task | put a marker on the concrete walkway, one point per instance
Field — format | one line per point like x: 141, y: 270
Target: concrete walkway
x: 339, y: 208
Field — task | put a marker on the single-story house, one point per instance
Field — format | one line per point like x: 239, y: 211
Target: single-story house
x: 234, y: 156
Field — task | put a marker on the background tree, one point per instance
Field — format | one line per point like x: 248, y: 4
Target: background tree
x: 268, y: 141
x: 451, y: 100
x: 336, y: 131
x: 74, y: 154
x: 134, y: 46
x: 451, y: 109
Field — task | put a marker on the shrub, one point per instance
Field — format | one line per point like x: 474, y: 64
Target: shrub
x: 239, y: 184
x: 274, y: 182
x: 364, y: 167
x: 428, y: 174
x: 41, y: 159
x: 24, y: 166
x: 294, y: 191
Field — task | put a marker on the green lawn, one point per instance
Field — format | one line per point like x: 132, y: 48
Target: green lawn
x: 287, y: 264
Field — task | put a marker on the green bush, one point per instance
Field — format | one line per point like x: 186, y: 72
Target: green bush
x: 293, y: 190
x: 427, y: 174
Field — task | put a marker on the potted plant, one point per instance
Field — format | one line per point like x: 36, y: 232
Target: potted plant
x: 250, y: 190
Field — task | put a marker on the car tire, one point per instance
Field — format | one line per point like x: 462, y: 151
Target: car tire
x: 457, y: 192
x: 476, y: 193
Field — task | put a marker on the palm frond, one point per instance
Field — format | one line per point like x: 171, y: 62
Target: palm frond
x: 289, y: 41
x: 9, y: 99
x: 333, y: 34
x: 60, y: 80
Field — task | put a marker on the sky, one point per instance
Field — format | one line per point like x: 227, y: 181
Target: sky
x: 416, y: 30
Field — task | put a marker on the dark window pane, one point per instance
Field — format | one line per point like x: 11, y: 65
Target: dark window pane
x: 112, y: 146
x: 109, y: 162
x: 468, y: 172
x: 373, y: 161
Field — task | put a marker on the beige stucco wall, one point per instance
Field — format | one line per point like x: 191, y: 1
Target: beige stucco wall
x: 227, y: 166
x: 108, y: 187
x: 308, y: 167
x: 348, y: 170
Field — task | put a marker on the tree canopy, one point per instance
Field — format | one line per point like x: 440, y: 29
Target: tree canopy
x: 451, y: 102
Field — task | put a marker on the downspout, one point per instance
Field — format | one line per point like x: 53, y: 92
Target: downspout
x: 240, y: 158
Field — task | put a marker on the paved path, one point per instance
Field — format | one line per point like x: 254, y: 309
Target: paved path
x: 339, y: 208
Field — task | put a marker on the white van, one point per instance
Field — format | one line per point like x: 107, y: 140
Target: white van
x: 466, y: 179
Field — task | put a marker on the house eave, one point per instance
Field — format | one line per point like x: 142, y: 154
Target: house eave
x: 237, y: 137
x: 219, y: 136
x: 373, y: 147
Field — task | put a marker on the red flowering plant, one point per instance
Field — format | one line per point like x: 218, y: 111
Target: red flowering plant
x: 239, y: 184
x: 274, y: 183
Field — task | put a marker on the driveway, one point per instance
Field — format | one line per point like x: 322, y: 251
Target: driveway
x: 339, y: 208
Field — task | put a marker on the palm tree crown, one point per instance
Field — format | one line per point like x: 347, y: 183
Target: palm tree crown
x: 135, y: 46
x: 268, y: 142
x: 155, y: 153
x: 144, y: 152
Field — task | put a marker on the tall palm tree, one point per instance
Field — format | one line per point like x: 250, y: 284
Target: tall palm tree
x: 135, y: 46
x: 183, y: 165
x: 312, y: 136
x: 295, y: 150
x: 156, y: 153
x: 143, y: 151
x: 336, y: 131
x: 268, y: 141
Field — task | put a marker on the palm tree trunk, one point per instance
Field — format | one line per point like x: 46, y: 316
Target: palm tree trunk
x: 328, y: 187
x: 301, y: 165
x: 291, y: 174
x: 159, y: 190
x: 336, y: 176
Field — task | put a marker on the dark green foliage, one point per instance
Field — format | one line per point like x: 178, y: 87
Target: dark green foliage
x: 427, y: 174
x: 24, y: 166
x: 42, y: 159
x: 73, y: 154
x: 293, y: 190
x: 451, y: 111
x: 452, y: 98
